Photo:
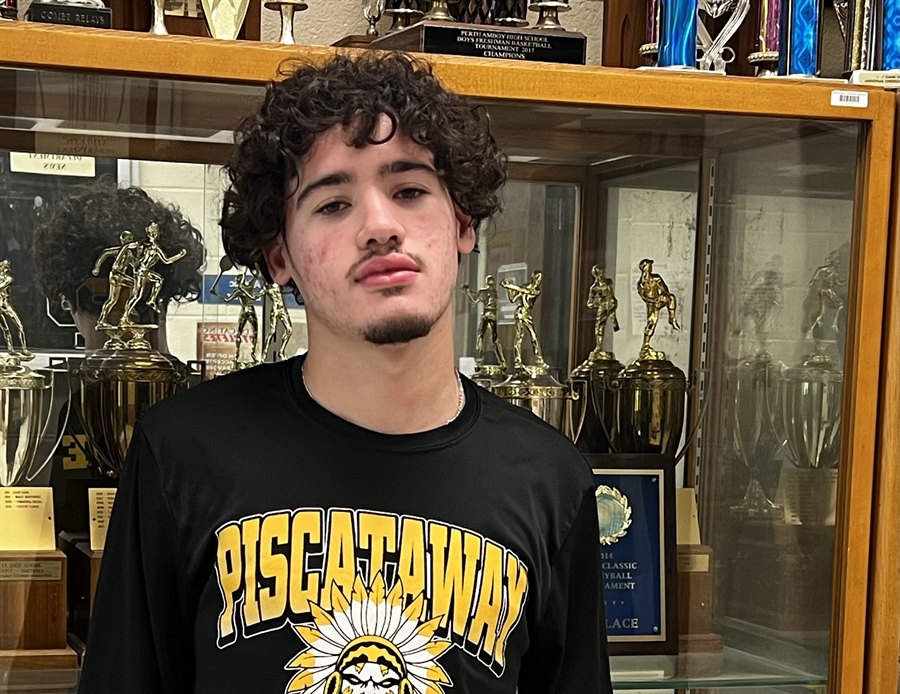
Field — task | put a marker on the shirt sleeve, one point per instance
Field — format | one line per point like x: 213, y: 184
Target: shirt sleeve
x: 140, y: 637
x: 568, y: 653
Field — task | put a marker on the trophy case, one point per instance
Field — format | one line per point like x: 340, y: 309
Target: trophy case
x: 734, y: 231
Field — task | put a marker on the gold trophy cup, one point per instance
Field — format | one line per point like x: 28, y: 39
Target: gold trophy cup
x: 531, y: 386
x: 121, y: 381
x: 652, y: 389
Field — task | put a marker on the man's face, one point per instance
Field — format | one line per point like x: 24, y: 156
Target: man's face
x: 371, y: 238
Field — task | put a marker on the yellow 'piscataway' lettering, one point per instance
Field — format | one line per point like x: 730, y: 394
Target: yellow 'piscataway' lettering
x: 486, y: 622
x: 516, y: 590
x: 250, y: 536
x: 229, y: 571
x: 306, y: 531
x: 411, y: 564
x: 378, y: 535
x: 273, y: 565
x: 454, y: 565
x: 340, y: 555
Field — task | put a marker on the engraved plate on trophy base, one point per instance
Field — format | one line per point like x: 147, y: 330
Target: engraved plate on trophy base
x: 451, y: 38
x: 33, y: 596
x: 887, y: 79
x: 636, y: 507
x: 72, y: 15
x: 810, y: 496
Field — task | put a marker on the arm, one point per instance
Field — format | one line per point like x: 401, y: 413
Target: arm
x: 568, y: 649
x: 215, y: 289
x: 109, y: 252
x: 168, y: 260
x: 470, y: 295
x: 141, y: 637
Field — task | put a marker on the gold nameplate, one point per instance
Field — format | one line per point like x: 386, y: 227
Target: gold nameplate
x: 26, y: 519
x: 36, y: 570
x: 693, y: 563
x: 51, y: 164
x: 100, y: 502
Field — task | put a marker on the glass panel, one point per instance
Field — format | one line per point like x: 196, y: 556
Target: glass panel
x: 748, y: 221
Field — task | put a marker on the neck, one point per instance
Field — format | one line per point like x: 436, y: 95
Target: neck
x: 391, y: 389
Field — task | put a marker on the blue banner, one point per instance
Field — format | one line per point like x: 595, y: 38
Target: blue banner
x: 800, y: 29
x: 631, y: 506
x: 228, y: 284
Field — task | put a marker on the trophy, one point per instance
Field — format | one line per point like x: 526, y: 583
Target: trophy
x: 755, y: 402
x: 439, y: 12
x: 24, y: 409
x: 246, y: 292
x: 678, y: 34
x: 487, y: 375
x: 871, y: 29
x: 768, y: 37
x: 715, y: 55
x: 531, y: 386
x: 224, y: 18
x: 372, y: 11
x: 800, y: 44
x: 650, y: 48
x: 599, y: 369
x: 511, y: 13
x: 8, y: 10
x: 278, y: 315
x: 548, y: 13
x: 402, y: 13
x: 650, y: 413
x: 121, y: 381
x: 287, y: 8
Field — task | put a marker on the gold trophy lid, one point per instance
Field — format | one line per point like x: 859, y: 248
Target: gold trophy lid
x: 653, y: 371
x: 15, y: 376
x: 131, y: 365
x: 523, y: 385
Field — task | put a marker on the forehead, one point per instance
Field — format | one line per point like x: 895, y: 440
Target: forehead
x: 331, y: 151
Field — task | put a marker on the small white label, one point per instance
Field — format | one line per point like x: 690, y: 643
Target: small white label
x: 841, y: 97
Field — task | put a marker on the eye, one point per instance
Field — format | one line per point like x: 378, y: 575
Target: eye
x: 410, y: 193
x: 352, y: 679
x: 331, y: 208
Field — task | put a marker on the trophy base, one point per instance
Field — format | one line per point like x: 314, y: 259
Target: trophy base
x: 71, y: 15
x: 488, y: 41
x: 58, y: 669
x: 887, y: 79
x: 33, y: 595
x: 756, y: 504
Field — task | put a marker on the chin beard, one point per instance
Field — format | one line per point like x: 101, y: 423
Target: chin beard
x: 398, y: 331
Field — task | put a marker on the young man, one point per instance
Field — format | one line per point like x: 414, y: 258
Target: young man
x: 359, y: 520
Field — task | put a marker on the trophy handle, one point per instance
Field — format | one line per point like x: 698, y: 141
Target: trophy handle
x: 53, y: 369
x: 573, y: 431
x: 612, y: 384
x: 701, y: 416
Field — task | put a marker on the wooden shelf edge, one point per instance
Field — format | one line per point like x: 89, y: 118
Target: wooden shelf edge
x: 178, y: 57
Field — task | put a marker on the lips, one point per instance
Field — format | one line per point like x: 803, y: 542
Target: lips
x: 387, y: 270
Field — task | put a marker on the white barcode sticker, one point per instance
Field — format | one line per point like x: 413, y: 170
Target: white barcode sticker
x: 841, y: 97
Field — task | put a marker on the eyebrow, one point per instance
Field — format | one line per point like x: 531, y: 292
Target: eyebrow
x: 340, y: 177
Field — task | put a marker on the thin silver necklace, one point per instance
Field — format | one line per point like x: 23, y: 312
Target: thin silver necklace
x: 461, y: 403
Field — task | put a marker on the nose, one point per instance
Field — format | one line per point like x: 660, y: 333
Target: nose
x: 380, y: 225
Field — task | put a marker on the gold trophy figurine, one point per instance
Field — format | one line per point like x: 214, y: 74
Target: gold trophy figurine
x: 530, y: 386
x: 8, y: 315
x: 599, y: 371
x: 650, y: 415
x: 524, y: 298
x: 487, y: 296
x: 119, y: 382
x: 277, y: 316
x: 656, y: 295
x: 246, y: 293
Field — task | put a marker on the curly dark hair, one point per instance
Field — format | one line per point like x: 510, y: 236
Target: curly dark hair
x: 81, y: 226
x: 353, y: 92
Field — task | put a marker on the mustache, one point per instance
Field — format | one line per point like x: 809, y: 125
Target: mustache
x: 382, y: 249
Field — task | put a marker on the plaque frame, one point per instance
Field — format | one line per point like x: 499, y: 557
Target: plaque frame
x: 606, y: 468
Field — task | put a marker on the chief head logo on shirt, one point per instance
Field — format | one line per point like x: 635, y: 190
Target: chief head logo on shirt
x: 370, y: 643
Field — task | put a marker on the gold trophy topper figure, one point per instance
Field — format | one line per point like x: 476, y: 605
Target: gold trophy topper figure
x: 487, y: 296
x: 524, y: 298
x: 246, y: 293
x: 8, y: 315
x: 656, y: 295
x: 823, y: 296
x: 278, y: 315
x: 603, y: 299
x: 151, y: 253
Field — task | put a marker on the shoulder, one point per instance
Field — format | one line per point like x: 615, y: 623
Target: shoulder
x: 221, y: 399
x: 522, y: 435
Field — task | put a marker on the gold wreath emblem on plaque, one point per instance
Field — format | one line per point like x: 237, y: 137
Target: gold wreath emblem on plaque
x: 614, y: 514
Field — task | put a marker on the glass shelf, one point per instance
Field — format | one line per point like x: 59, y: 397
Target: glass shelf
x: 730, y: 668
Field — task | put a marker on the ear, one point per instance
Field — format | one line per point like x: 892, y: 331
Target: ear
x: 466, y: 236
x: 276, y: 256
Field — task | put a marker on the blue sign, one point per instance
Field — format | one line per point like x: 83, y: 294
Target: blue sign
x: 630, y: 504
x: 228, y: 284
